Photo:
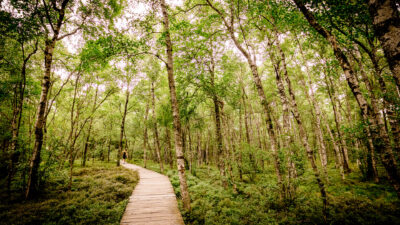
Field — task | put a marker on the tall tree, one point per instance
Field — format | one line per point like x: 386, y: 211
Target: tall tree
x: 175, y: 109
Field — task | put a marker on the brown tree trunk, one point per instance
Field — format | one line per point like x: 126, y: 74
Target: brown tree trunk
x: 169, y: 146
x: 145, y: 136
x: 121, y: 136
x: 175, y: 111
x: 217, y: 115
x: 338, y: 121
x: 336, y: 148
x: 89, y: 129
x: 156, y: 138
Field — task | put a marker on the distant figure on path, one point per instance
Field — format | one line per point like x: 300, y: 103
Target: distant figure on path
x: 124, y: 155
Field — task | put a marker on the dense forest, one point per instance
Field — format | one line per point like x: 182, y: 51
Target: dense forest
x: 260, y: 112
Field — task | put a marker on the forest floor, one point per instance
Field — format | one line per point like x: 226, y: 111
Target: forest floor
x: 256, y: 199
x: 99, y: 195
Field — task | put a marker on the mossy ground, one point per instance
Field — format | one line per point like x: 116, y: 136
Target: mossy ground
x: 257, y: 201
x: 99, y: 195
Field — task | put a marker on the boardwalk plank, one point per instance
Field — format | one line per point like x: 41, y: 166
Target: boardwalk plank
x: 153, y: 201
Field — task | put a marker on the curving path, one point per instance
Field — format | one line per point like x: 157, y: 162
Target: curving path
x: 153, y: 201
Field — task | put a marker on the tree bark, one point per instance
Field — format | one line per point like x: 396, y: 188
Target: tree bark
x: 89, y: 129
x: 217, y: 117
x: 145, y: 136
x: 168, y: 137
x: 175, y: 111
x: 156, y: 137
x: 48, y: 59
x: 386, y: 22
x: 121, y: 136
x: 338, y: 121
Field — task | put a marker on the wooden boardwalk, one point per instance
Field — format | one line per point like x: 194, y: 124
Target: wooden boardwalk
x: 153, y: 201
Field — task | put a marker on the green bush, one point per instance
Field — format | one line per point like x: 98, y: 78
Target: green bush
x: 99, y: 195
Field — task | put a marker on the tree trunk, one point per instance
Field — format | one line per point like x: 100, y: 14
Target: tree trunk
x: 157, y: 140
x: 89, y: 129
x: 121, y: 136
x: 170, y: 158
x: 145, y: 136
x: 175, y: 111
x: 217, y: 115
x: 339, y: 160
x: 338, y: 121
x: 33, y: 176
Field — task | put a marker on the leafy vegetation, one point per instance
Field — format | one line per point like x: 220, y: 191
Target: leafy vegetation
x: 99, y: 195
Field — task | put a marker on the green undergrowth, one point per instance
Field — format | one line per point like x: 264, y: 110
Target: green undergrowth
x: 257, y: 201
x: 98, y: 195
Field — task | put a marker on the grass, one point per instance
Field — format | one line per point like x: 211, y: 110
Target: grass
x: 351, y: 201
x: 99, y: 195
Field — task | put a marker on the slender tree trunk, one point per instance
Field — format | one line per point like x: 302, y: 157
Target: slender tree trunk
x: 175, y: 111
x: 240, y: 162
x: 338, y: 121
x: 217, y: 115
x: 89, y: 129
x: 170, y: 158
x: 145, y: 136
x: 121, y: 136
x: 156, y: 138
x: 86, y: 144
x: 336, y: 148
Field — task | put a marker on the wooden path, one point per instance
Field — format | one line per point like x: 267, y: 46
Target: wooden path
x: 153, y: 201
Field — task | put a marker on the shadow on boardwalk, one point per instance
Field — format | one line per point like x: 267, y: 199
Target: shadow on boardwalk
x: 153, y: 201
